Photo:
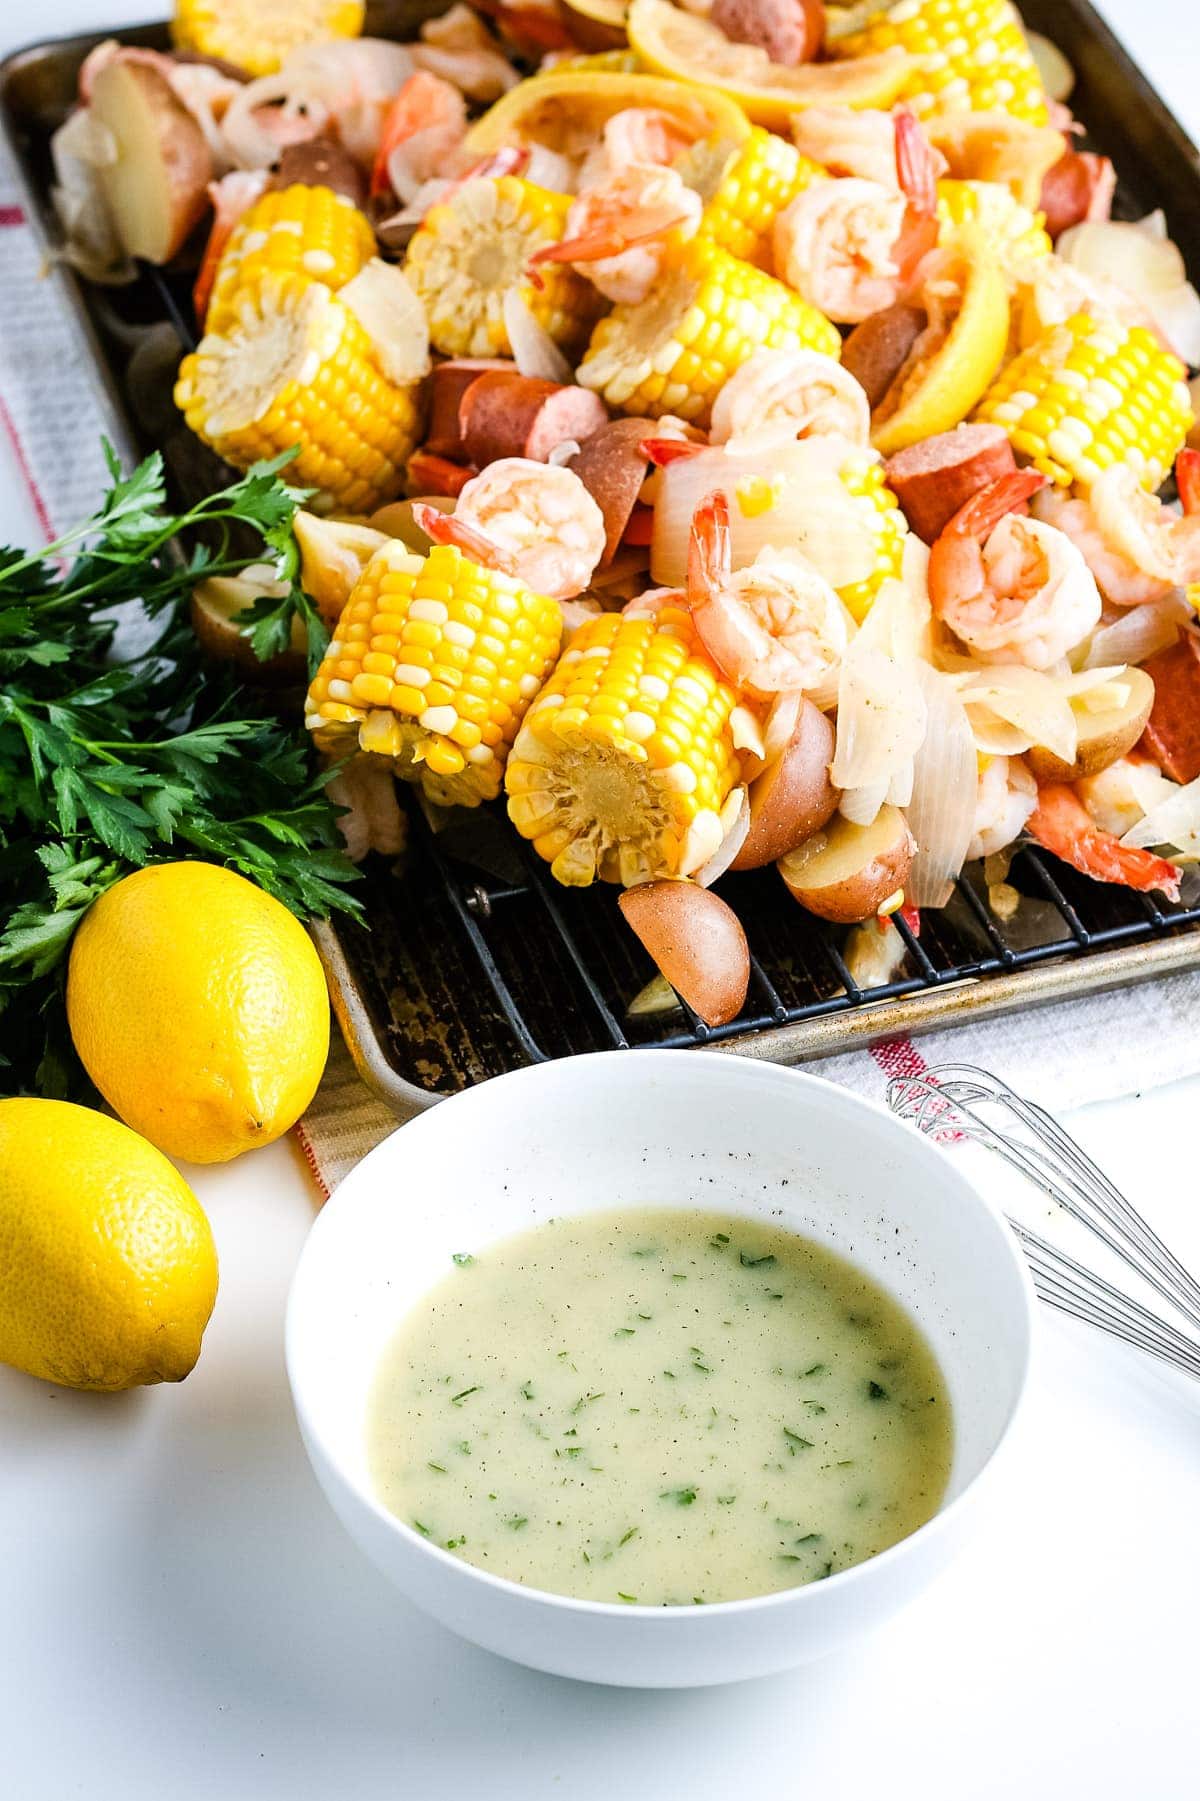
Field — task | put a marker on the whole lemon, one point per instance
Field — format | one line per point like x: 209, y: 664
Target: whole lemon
x: 198, y: 1006
x: 108, y: 1271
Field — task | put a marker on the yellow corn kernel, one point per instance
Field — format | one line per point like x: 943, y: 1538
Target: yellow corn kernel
x: 1090, y: 393
x: 474, y: 248
x: 745, y: 187
x: 1014, y: 234
x: 259, y: 35
x: 675, y: 351
x: 969, y: 56
x: 299, y: 370
x: 862, y: 474
x: 625, y: 760
x: 433, y: 663
x: 301, y: 230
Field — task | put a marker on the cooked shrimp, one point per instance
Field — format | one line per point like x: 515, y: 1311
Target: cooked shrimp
x: 1006, y: 796
x: 850, y: 246
x: 997, y: 146
x: 780, y: 395
x: 773, y: 627
x: 1121, y: 582
x: 534, y: 521
x: 1141, y: 529
x: 422, y: 129
x: 620, y: 233
x: 637, y: 134
x: 1061, y: 823
x: 1014, y: 590
x: 852, y: 141
x: 1140, y: 551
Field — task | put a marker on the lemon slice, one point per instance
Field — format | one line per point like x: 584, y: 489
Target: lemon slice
x: 940, y: 395
x: 694, y: 50
x: 565, y: 110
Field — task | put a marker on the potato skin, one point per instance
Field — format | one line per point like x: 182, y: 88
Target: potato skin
x: 697, y: 941
x: 213, y: 606
x: 1114, y: 735
x: 137, y: 105
x: 887, y: 854
x: 794, y: 797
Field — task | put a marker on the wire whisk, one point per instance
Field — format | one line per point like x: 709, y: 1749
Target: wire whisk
x: 944, y: 1103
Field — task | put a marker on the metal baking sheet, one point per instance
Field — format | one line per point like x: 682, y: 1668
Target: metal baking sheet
x: 471, y: 959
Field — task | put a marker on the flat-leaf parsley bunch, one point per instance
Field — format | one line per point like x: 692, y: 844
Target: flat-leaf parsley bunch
x: 108, y: 763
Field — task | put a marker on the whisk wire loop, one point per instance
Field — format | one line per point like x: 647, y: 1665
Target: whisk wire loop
x: 944, y: 1103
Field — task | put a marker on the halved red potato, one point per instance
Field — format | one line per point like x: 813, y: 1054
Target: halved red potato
x: 697, y: 942
x: 214, y: 606
x: 1104, y: 736
x: 846, y: 872
x: 794, y: 796
x: 156, y: 185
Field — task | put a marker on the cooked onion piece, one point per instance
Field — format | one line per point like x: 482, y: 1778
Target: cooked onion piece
x: 941, y: 812
x: 1104, y: 733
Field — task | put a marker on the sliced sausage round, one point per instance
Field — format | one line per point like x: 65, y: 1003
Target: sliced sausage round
x: 612, y: 468
x: 936, y: 477
x: 450, y: 382
x: 505, y: 414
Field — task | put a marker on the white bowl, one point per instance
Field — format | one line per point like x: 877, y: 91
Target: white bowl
x: 623, y: 1129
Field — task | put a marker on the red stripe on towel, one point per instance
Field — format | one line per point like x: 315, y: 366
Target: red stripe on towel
x: 310, y: 1157
x: 899, y: 1057
x: 23, y: 464
x: 12, y: 215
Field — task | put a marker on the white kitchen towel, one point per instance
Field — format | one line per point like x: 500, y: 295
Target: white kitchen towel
x: 1091, y: 1049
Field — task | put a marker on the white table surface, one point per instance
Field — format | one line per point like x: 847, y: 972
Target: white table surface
x: 181, y: 1617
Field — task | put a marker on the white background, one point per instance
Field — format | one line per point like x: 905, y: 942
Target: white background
x: 181, y: 1617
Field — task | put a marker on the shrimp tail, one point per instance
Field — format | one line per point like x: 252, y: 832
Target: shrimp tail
x: 917, y: 172
x: 1061, y: 823
x: 444, y: 528
x: 710, y: 550
x: 1187, y: 480
x: 661, y: 451
x: 510, y: 159
x: 984, y: 511
x: 595, y: 246
x: 916, y: 164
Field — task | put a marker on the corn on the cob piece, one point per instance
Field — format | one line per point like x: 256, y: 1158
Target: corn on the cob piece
x: 297, y: 231
x: 258, y: 35
x: 433, y: 663
x: 626, y: 757
x: 744, y: 187
x: 862, y: 474
x: 1090, y: 393
x: 674, y: 352
x: 475, y: 246
x: 298, y: 369
x: 969, y: 55
x: 1014, y: 234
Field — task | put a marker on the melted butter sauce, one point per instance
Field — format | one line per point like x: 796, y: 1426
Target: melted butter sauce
x: 660, y: 1407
